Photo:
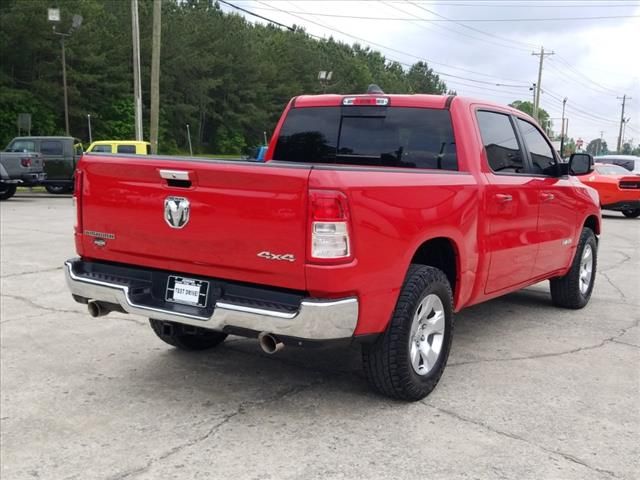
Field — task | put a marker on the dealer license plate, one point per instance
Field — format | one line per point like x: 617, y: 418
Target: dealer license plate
x: 187, y: 291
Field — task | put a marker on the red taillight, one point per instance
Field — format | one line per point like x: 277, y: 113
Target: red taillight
x: 329, y: 224
x: 77, y: 198
x: 25, y: 162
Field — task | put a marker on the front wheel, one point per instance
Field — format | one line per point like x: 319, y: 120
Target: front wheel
x: 631, y: 213
x: 573, y: 290
x: 407, y: 361
x: 185, y: 337
x: 7, y: 191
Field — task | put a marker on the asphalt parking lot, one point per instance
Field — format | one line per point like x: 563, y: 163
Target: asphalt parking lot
x: 531, y: 391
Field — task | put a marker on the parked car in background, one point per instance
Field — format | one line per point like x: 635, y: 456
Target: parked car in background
x: 17, y: 168
x: 120, y: 146
x: 60, y: 156
x: 618, y: 189
x: 256, y: 154
x: 630, y: 163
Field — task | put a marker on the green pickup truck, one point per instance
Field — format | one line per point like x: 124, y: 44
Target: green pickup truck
x: 60, y: 155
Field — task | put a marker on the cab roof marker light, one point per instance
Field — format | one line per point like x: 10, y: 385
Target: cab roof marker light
x: 377, y: 101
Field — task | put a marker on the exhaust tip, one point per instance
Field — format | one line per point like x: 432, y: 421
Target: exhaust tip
x: 269, y: 343
x: 95, y: 309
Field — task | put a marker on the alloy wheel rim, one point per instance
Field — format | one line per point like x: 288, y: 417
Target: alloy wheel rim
x: 586, y: 269
x: 427, y: 334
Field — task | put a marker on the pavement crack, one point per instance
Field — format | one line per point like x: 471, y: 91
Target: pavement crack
x: 46, y: 270
x: 606, y: 276
x: 240, y: 410
x: 617, y: 264
x: 33, y: 304
x: 625, y: 343
x: 38, y: 306
x: 513, y: 436
x: 612, y: 339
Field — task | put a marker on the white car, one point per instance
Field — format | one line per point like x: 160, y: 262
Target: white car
x: 628, y: 162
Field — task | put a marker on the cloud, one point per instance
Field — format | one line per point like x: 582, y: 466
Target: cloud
x: 594, y: 61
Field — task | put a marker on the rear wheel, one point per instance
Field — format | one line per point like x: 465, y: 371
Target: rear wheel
x: 574, y: 289
x: 185, y: 337
x: 407, y: 361
x: 631, y: 213
x: 58, y: 189
x: 7, y: 191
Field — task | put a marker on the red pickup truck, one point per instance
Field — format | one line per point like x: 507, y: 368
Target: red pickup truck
x: 373, y: 219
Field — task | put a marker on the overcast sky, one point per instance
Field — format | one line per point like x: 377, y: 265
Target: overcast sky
x: 594, y: 62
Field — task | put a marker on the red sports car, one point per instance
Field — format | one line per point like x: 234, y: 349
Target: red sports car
x: 618, y: 190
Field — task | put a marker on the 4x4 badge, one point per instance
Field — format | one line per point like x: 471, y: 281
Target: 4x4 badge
x: 176, y: 211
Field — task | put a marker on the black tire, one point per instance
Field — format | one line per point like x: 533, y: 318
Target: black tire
x: 631, y: 213
x: 566, y: 291
x: 7, y: 191
x: 58, y: 189
x: 185, y: 337
x: 387, y: 362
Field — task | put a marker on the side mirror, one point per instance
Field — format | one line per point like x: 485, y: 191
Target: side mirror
x: 580, y: 164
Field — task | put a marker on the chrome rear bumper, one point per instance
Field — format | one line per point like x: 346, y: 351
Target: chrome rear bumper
x: 315, y: 320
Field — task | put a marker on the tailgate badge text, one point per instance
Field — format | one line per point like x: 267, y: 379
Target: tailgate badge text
x: 287, y: 257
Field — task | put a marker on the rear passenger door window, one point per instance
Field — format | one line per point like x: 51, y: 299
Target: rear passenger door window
x: 102, y: 149
x: 51, y: 147
x: 504, y: 153
x: 126, y: 149
x: 543, y: 162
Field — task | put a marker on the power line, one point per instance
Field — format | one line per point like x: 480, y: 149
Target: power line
x: 256, y: 15
x: 577, y: 80
x: 453, y: 20
x: 548, y: 4
x: 400, y: 52
x: 586, y: 77
x: 493, y: 35
x: 454, y: 31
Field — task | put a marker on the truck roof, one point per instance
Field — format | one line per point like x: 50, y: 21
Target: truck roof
x: 397, y: 100
x: 45, y: 137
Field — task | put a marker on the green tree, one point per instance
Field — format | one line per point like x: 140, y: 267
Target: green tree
x: 597, y: 147
x: 543, y: 116
x: 227, y: 78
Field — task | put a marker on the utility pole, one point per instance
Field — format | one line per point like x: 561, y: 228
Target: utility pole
x: 624, y: 101
x: 137, y: 86
x: 624, y: 129
x: 564, y: 102
x: 536, y: 104
x: 54, y: 16
x: 155, y: 76
x: 533, y: 90
x: 599, y: 143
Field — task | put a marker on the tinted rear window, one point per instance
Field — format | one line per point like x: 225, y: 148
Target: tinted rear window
x: 51, y: 147
x: 102, y: 149
x: 375, y: 136
x: 126, y: 149
x: 22, y: 146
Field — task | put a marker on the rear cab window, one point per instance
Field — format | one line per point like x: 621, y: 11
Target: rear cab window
x: 24, y: 146
x: 378, y: 136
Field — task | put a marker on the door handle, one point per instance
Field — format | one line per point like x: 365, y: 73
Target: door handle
x: 504, y: 197
x: 547, y: 197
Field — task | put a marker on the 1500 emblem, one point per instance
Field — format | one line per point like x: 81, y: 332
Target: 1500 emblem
x: 176, y: 211
x: 287, y: 257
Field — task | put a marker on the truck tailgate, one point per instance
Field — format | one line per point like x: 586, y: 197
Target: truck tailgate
x: 246, y: 221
